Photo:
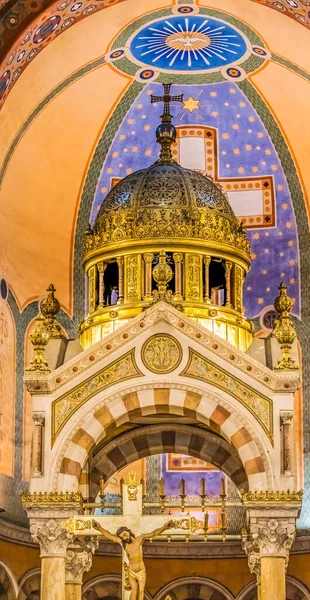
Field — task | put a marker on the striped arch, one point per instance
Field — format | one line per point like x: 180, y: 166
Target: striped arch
x: 160, y: 439
x: 194, y: 588
x: 171, y: 401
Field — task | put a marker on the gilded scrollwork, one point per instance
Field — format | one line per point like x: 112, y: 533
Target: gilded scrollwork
x: 176, y: 222
x: 260, y: 406
x: 119, y: 370
x: 133, y: 277
x: 193, y: 286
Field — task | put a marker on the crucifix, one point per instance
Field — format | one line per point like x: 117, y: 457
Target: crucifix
x: 130, y: 530
x: 166, y: 132
x: 166, y: 99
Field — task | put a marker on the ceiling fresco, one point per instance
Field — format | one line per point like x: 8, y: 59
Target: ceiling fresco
x: 23, y: 34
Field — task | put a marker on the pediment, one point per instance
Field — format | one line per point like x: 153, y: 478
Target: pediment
x: 161, y: 342
x: 211, y: 345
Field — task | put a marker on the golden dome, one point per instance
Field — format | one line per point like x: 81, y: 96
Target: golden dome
x: 168, y: 216
x: 165, y: 185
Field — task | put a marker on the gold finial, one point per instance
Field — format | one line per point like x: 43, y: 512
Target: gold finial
x: 162, y: 274
x: 49, y: 308
x: 284, y: 330
x: 132, y: 483
x: 166, y: 132
x: 39, y: 338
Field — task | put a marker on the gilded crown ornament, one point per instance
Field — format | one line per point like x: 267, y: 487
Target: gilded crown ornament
x: 50, y: 307
x: 284, y: 330
x: 39, y: 338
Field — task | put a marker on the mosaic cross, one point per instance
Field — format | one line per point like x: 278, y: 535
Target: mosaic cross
x: 166, y: 99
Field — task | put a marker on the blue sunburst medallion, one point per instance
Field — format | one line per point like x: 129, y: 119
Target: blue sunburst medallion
x: 188, y: 43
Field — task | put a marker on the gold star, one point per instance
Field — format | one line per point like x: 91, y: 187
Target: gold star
x: 190, y: 104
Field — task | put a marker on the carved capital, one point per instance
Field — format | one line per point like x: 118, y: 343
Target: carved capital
x: 269, y: 537
x: 53, y: 538
x: 253, y: 559
x: 102, y: 267
x: 39, y: 419
x: 77, y: 562
x: 286, y: 418
x: 177, y: 257
x: 148, y: 257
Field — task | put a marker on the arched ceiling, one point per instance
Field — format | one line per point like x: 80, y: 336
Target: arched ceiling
x: 17, y: 15
x: 68, y: 99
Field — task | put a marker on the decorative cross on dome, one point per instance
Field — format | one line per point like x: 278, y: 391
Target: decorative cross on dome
x: 166, y: 99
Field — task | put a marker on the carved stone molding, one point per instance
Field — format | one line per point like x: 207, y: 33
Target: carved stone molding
x: 51, y: 536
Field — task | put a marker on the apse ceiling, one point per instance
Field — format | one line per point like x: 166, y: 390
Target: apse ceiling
x: 20, y: 19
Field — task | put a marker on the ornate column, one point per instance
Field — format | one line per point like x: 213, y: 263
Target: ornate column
x: 206, y: 262
x: 120, y: 262
x: 101, y: 269
x: 37, y: 445
x: 285, y: 422
x: 270, y: 536
x: 53, y: 540
x: 178, y: 259
x: 148, y: 259
x: 78, y: 561
x: 228, y: 267
x: 49, y: 514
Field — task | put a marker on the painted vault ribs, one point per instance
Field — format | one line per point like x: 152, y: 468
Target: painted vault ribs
x: 119, y: 370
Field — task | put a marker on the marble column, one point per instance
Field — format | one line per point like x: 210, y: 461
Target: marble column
x: 101, y: 269
x: 78, y: 561
x: 273, y: 575
x: 206, y: 261
x: 285, y: 422
x: 148, y: 259
x: 53, y: 540
x: 178, y: 259
x: 37, y: 445
x: 120, y: 262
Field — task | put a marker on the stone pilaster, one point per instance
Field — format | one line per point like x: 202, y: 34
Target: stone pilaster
x: 48, y: 513
x: 53, y: 540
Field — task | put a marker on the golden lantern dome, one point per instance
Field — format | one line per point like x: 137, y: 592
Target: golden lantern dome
x: 166, y: 232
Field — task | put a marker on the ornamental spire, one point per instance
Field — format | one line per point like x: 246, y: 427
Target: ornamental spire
x: 166, y: 132
x: 284, y: 330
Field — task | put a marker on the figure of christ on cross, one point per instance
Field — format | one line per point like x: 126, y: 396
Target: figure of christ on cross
x: 133, y: 549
